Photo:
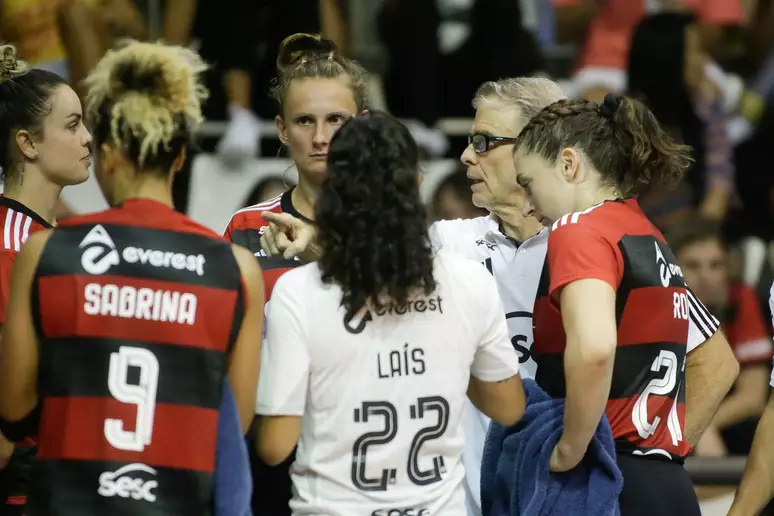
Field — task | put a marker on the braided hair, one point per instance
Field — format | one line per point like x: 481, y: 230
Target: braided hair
x: 371, y: 219
x: 621, y: 137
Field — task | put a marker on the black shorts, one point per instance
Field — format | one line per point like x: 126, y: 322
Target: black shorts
x: 654, y: 486
x: 14, y: 481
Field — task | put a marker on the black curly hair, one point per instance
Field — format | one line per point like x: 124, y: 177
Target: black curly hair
x: 371, y: 219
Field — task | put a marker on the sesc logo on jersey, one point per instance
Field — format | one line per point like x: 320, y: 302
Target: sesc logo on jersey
x: 119, y: 483
x: 101, y: 254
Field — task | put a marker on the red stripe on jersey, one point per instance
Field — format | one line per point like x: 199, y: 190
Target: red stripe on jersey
x: 549, y: 338
x: 620, y: 413
x: 183, y: 437
x: 62, y: 316
x: 270, y: 278
x: 647, y: 304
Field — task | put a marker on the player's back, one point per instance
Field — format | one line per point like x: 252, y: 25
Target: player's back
x: 382, y: 428
x: 136, y: 310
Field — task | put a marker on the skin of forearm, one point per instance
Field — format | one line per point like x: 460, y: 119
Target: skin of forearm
x: 757, y: 484
x: 588, y: 387
x: 710, y: 371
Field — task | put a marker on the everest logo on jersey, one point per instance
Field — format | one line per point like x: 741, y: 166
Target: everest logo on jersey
x: 101, y: 254
x: 119, y: 483
x: 666, y: 270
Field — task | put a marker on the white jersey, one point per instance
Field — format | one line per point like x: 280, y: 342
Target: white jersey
x: 381, y: 395
x: 517, y: 268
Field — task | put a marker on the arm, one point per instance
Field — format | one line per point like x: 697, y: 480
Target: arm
x: 502, y: 401
x: 19, y: 344
x: 178, y: 21
x: 245, y: 358
x: 495, y: 386
x: 284, y: 375
x: 333, y: 23
x: 588, y: 316
x: 748, y: 399
x: 757, y: 486
x: 710, y: 371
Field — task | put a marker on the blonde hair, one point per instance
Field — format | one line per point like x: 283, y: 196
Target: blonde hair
x: 303, y: 56
x: 146, y: 98
x: 529, y: 94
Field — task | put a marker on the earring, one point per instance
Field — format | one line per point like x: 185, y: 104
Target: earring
x: 35, y: 156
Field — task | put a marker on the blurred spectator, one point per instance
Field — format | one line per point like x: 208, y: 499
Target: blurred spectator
x: 604, y: 28
x: 452, y: 198
x: 68, y: 37
x: 440, y: 51
x: 666, y: 70
x: 265, y: 190
x: 704, y: 258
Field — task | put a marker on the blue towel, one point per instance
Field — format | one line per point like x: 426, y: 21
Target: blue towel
x: 233, y: 481
x: 516, y: 481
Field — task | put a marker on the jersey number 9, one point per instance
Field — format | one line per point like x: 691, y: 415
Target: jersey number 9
x: 142, y: 395
x: 386, y: 410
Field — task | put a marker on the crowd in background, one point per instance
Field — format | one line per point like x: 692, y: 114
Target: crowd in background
x: 705, y: 67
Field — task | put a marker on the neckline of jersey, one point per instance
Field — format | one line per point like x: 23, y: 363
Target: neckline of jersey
x: 15, y: 205
x: 286, y: 203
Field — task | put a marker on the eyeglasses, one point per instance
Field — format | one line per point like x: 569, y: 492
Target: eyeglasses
x: 483, y: 142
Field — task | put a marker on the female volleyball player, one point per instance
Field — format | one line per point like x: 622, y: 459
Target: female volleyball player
x: 44, y: 147
x: 612, y: 328
x: 316, y: 90
x: 371, y: 350
x: 123, y: 325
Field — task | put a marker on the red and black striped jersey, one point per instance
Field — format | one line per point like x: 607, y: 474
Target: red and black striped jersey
x: 136, y: 309
x: 659, y: 321
x: 246, y: 227
x: 17, y: 223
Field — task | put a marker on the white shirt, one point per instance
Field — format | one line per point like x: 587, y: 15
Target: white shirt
x: 517, y: 270
x: 381, y: 396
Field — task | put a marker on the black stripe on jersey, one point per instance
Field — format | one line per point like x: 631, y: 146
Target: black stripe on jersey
x: 249, y: 238
x: 63, y: 255
x: 79, y: 366
x: 702, y: 318
x: 632, y: 371
x: 269, y: 263
x: 71, y: 488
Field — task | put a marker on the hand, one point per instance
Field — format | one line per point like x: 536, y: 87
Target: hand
x: 289, y: 237
x: 564, y: 458
x: 711, y: 444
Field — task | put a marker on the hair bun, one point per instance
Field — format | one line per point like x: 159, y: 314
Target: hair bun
x: 10, y: 67
x: 297, y: 47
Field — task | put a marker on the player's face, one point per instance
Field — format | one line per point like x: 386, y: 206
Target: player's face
x: 314, y: 109
x: 548, y: 195
x: 493, y: 182
x: 705, y: 266
x: 64, y: 150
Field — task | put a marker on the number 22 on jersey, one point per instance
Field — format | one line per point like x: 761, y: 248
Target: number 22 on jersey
x: 142, y: 395
x: 388, y: 412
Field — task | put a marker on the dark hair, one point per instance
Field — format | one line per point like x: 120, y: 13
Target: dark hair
x: 256, y: 195
x: 25, y: 96
x: 621, y: 137
x: 146, y: 98
x: 698, y: 229
x: 372, y: 222
x: 656, y: 75
x: 303, y: 56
